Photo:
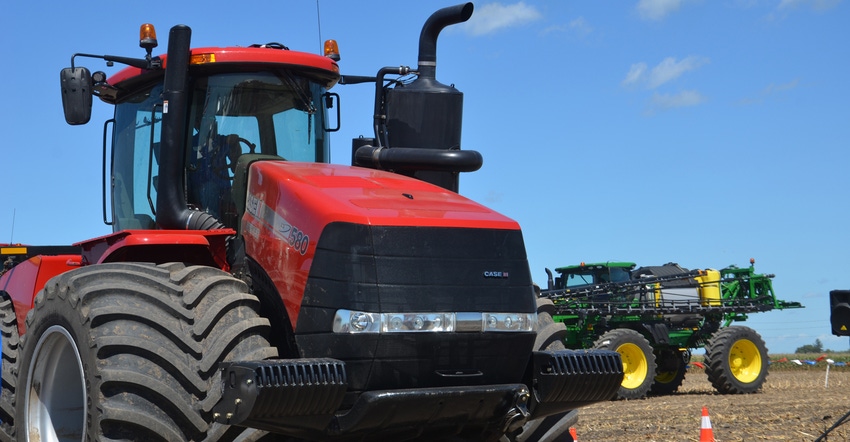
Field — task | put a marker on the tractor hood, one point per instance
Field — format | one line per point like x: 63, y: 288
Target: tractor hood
x: 297, y: 212
x: 339, y: 239
x: 311, y: 195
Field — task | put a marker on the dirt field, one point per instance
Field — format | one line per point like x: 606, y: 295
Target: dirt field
x: 794, y: 405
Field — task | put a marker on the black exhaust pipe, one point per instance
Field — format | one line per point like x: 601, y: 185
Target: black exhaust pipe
x: 421, y: 121
x: 172, y: 212
x: 431, y: 30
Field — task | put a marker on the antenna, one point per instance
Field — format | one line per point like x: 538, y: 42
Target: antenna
x: 12, y: 235
x: 319, y: 25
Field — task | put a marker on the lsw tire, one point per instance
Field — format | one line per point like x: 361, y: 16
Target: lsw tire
x: 130, y: 351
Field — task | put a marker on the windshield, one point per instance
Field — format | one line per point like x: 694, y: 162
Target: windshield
x: 229, y: 115
x: 597, y: 275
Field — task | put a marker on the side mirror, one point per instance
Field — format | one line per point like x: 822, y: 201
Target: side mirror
x: 76, y: 95
x: 330, y: 97
x: 839, y: 304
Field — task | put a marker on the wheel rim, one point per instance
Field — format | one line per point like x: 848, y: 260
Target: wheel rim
x: 668, y: 376
x: 665, y: 377
x: 745, y: 361
x: 634, y: 365
x: 56, y: 398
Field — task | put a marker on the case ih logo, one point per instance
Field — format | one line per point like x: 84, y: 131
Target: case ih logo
x: 491, y: 274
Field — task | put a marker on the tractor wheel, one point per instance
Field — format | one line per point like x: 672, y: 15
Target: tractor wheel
x: 670, y: 369
x: 550, y: 336
x: 736, y: 360
x: 9, y: 335
x: 638, y: 361
x: 131, y: 352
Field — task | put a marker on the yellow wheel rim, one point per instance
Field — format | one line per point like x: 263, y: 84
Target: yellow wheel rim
x: 634, y: 365
x: 745, y: 361
x: 665, y: 377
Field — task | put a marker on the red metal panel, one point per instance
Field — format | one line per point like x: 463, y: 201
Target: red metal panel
x: 289, y: 204
x: 246, y: 55
x: 115, y: 247
x: 326, y: 193
x: 24, y: 281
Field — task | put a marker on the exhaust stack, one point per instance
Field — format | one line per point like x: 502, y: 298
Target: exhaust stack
x: 421, y: 121
x: 427, y: 114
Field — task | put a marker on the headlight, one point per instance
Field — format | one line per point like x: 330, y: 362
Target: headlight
x: 347, y: 321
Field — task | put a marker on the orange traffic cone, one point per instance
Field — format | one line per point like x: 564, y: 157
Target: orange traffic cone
x: 706, y: 434
x: 573, y: 434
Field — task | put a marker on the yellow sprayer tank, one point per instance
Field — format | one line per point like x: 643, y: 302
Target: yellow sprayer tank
x: 709, y: 288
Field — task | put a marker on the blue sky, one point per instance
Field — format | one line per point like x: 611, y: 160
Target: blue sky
x: 694, y: 131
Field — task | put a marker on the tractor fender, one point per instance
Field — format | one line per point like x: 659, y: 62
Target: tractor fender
x: 199, y: 247
x: 659, y: 332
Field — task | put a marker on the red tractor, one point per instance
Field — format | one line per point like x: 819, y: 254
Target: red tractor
x: 250, y: 290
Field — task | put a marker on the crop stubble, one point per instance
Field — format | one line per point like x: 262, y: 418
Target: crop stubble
x: 793, y: 405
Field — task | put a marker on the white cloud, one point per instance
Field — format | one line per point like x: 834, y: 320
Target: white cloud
x: 657, y: 9
x: 578, y: 28
x: 581, y: 27
x: 786, y: 7
x: 817, y: 5
x: 635, y: 74
x: 682, y: 99
x: 772, y: 89
x: 496, y: 16
x: 668, y: 70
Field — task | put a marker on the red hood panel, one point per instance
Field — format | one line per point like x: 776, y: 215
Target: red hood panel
x: 366, y: 196
x: 289, y: 204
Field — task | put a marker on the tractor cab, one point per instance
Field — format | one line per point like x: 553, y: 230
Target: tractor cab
x: 583, y: 275
x: 273, y: 112
x: 262, y: 102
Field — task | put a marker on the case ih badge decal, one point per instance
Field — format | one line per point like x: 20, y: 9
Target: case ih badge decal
x: 282, y: 229
x: 493, y: 274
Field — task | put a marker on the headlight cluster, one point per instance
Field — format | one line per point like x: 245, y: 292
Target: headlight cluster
x: 348, y: 321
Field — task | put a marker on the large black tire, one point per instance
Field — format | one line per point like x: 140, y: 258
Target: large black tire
x: 670, y: 369
x: 131, y: 352
x: 638, y: 361
x: 550, y: 336
x: 736, y: 360
x: 11, y: 342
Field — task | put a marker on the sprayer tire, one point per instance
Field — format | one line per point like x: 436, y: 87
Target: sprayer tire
x: 638, y: 361
x: 130, y: 351
x: 11, y: 343
x: 670, y: 370
x: 550, y: 336
x: 736, y: 360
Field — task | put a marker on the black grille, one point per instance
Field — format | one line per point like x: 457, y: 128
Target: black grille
x: 577, y: 376
x: 300, y: 374
x: 298, y: 387
x: 417, y: 269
